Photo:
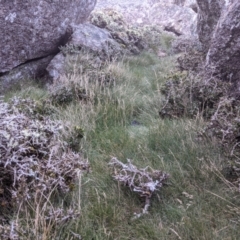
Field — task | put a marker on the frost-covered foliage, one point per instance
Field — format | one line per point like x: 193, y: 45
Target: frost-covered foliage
x: 132, y: 38
x: 33, y: 157
x: 143, y: 181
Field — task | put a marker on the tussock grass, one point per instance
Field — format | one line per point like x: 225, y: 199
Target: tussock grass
x: 120, y: 119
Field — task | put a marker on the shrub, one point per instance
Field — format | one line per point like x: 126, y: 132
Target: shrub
x: 34, y: 160
x: 128, y: 37
x: 132, y: 38
x: 186, y: 44
x: 188, y: 95
x: 64, y: 92
x: 192, y: 56
x: 224, y: 126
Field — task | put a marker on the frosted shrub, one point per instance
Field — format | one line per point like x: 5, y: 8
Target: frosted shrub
x: 33, y: 157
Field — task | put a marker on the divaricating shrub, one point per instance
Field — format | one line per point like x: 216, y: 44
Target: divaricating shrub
x: 184, y: 44
x: 128, y: 37
x: 133, y: 39
x: 33, y: 157
x: 224, y: 126
x: 65, y: 92
x: 188, y: 95
x: 191, y: 57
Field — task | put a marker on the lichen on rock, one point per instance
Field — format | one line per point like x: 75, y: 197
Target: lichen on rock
x: 33, y: 29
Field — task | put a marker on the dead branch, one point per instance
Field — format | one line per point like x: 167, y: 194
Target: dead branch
x: 144, y: 181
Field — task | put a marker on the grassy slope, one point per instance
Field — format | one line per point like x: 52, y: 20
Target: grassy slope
x: 198, y: 203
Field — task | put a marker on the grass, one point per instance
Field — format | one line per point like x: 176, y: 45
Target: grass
x: 121, y: 119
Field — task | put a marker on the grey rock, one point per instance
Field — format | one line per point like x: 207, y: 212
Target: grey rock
x: 172, y: 15
x: 208, y: 15
x: 223, y: 56
x: 180, y: 20
x: 56, y: 67
x: 96, y: 39
x: 135, y: 123
x: 33, y: 29
x: 187, y: 3
x: 88, y: 37
x: 30, y: 70
x: 209, y: 12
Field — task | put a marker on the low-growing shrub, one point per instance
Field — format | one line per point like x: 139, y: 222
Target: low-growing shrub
x: 186, y: 44
x: 35, y: 163
x: 187, y: 95
x: 191, y: 54
x: 132, y: 38
x: 128, y: 37
x: 64, y: 92
x: 224, y: 126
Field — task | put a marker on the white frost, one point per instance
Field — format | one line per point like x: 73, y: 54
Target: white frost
x: 11, y: 17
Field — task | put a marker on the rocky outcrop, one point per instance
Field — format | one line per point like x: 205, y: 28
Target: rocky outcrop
x: 87, y: 37
x: 209, y: 12
x: 223, y: 56
x: 172, y: 15
x: 187, y: 3
x: 180, y: 20
x: 34, y: 29
x: 28, y: 71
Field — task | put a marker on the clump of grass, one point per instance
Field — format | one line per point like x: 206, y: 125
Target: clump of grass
x: 36, y: 165
x: 28, y: 88
x: 188, y: 95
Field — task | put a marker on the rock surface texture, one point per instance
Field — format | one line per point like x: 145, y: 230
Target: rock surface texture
x: 173, y: 15
x: 180, y: 20
x: 95, y: 40
x: 34, y: 29
x: 219, y: 33
x: 223, y: 56
x: 26, y: 71
x: 187, y: 3
x: 209, y: 12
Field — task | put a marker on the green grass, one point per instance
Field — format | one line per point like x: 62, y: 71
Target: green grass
x: 197, y: 203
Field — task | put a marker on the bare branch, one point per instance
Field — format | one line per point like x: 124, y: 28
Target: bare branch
x: 142, y: 181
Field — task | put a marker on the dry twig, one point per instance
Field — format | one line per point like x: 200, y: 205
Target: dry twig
x: 144, y: 181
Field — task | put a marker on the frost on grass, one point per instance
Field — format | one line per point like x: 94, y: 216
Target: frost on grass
x: 35, y: 162
x: 144, y: 181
